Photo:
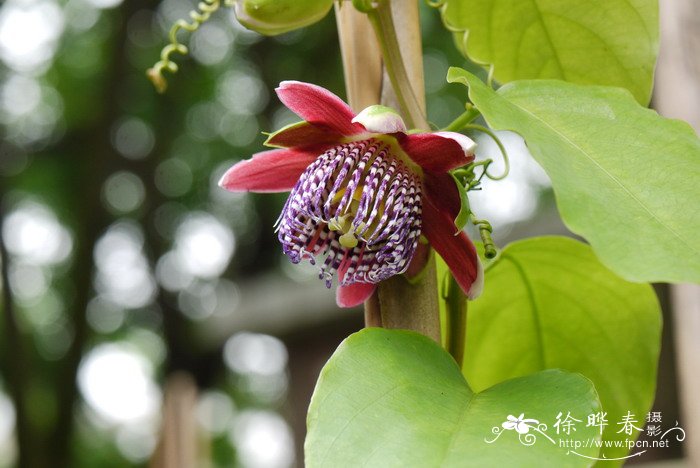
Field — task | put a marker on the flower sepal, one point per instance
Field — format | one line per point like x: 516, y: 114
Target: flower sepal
x: 300, y: 134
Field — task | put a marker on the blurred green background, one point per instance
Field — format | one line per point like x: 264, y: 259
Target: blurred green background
x: 134, y: 278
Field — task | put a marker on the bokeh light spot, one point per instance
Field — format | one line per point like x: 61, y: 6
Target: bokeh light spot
x: 263, y: 440
x: 117, y: 384
x: 215, y: 411
x: 29, y: 32
x: 255, y: 353
x: 123, y: 192
x: 133, y: 138
x: 204, y: 245
x: 173, y: 177
x: 33, y: 233
x: 123, y: 274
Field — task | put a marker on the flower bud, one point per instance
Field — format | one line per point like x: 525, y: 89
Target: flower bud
x: 272, y: 17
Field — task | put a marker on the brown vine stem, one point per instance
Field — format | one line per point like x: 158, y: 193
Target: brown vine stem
x: 398, y: 303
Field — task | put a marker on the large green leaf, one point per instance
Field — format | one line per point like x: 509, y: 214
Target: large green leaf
x: 625, y: 178
x: 394, y: 398
x: 604, y: 42
x: 548, y: 302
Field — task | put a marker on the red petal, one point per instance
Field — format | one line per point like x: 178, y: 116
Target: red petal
x: 354, y: 294
x: 443, y: 192
x: 302, y: 134
x: 457, y: 251
x: 318, y: 106
x: 268, y: 171
x: 439, y: 151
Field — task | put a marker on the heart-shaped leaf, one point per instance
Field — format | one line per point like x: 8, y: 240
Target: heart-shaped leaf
x: 394, y: 398
x: 548, y: 302
x: 624, y: 177
x: 604, y: 42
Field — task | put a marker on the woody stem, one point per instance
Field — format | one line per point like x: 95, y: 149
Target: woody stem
x: 405, y: 305
x: 384, y: 26
x: 396, y: 304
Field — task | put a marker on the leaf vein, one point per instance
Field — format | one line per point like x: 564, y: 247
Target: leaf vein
x: 631, y: 194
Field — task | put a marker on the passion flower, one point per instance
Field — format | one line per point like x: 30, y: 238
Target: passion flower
x: 363, y: 191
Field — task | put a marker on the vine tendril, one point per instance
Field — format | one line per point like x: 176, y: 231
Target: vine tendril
x: 501, y: 147
x: 485, y: 231
x: 198, y: 16
x: 467, y: 177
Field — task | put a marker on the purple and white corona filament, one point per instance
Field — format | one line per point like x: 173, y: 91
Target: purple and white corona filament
x: 363, y: 192
x: 360, y: 207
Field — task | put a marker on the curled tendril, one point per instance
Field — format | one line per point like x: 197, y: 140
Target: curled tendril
x: 204, y: 10
x: 485, y: 231
x: 501, y: 147
x: 467, y: 177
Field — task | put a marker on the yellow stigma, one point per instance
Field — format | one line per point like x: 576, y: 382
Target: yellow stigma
x: 348, y: 240
x: 344, y: 224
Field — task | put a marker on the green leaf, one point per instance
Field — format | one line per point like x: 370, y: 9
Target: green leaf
x: 394, y: 398
x: 548, y: 302
x: 604, y: 42
x: 624, y: 177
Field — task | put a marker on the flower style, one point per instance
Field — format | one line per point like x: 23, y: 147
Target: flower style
x: 363, y: 190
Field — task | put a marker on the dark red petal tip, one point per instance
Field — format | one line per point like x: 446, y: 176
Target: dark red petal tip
x: 354, y: 294
x: 440, y: 151
x: 318, y: 106
x: 268, y: 171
